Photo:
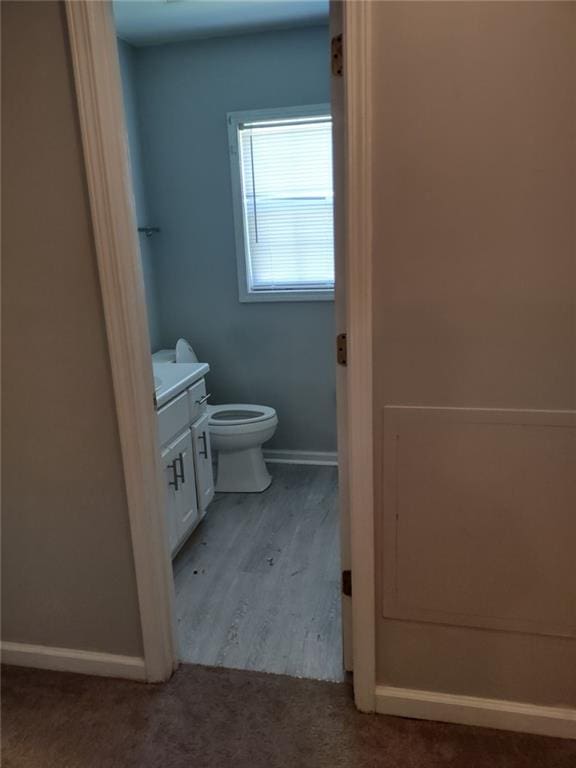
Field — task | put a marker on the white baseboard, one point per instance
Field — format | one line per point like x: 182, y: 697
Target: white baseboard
x: 71, y: 660
x: 320, y: 458
x: 469, y: 710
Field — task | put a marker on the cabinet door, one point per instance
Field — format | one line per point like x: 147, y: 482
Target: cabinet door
x: 182, y: 505
x: 172, y: 490
x: 188, y: 507
x: 203, y: 462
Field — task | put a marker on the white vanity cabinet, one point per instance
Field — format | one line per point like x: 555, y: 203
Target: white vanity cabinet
x: 187, y: 461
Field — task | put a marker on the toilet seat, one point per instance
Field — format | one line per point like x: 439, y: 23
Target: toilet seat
x: 238, y: 414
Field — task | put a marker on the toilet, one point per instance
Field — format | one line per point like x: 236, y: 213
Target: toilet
x: 237, y: 433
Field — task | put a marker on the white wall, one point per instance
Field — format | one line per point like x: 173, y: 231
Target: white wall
x: 67, y: 570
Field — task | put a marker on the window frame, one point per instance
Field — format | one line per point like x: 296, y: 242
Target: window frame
x: 235, y: 120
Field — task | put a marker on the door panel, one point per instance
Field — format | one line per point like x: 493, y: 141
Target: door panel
x: 474, y: 275
x: 473, y: 535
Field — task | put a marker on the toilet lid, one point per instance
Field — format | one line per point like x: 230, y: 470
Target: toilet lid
x: 239, y: 413
x: 184, y: 352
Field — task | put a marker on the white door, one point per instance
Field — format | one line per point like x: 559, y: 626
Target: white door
x: 181, y: 502
x: 338, y: 138
x: 203, y: 463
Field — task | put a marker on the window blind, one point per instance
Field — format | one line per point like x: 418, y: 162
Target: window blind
x: 287, y: 195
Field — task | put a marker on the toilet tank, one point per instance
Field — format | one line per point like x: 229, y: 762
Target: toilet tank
x: 164, y: 356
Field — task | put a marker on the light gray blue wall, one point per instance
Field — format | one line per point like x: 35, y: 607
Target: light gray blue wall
x: 126, y: 53
x: 278, y: 354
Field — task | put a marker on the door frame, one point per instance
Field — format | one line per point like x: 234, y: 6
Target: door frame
x: 99, y: 95
x: 357, y: 256
x: 100, y: 106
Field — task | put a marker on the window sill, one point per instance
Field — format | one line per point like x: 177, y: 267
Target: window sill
x: 294, y: 296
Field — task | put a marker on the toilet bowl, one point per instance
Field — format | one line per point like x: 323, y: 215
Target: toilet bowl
x: 237, y: 433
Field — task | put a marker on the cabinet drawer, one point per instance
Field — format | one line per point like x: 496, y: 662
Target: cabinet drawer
x: 196, y: 399
x: 173, y: 418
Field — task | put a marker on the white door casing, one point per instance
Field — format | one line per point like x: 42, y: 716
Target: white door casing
x: 357, y: 215
x: 99, y: 96
x: 338, y: 143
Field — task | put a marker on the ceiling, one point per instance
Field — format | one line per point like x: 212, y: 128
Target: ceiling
x: 149, y: 22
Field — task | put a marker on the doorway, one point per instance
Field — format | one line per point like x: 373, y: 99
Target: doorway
x: 233, y: 194
x: 152, y: 569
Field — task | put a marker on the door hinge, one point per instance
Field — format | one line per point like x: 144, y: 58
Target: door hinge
x: 342, y: 349
x: 347, y: 583
x: 337, y: 56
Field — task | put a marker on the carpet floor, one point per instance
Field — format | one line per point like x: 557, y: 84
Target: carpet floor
x: 220, y: 718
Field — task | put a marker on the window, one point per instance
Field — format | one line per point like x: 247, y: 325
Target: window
x: 281, y: 164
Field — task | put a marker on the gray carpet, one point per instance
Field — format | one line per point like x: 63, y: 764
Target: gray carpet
x: 216, y: 718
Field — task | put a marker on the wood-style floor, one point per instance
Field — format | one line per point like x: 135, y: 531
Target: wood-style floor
x: 258, y: 582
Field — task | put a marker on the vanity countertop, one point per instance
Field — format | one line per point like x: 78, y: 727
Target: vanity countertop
x: 172, y: 378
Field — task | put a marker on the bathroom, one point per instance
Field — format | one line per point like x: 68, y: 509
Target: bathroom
x: 257, y: 576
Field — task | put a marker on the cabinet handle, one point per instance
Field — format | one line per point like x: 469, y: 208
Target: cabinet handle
x: 180, y: 458
x: 204, y: 453
x: 174, y: 482
x: 203, y: 399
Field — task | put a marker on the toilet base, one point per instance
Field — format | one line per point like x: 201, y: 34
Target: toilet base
x: 242, y: 471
